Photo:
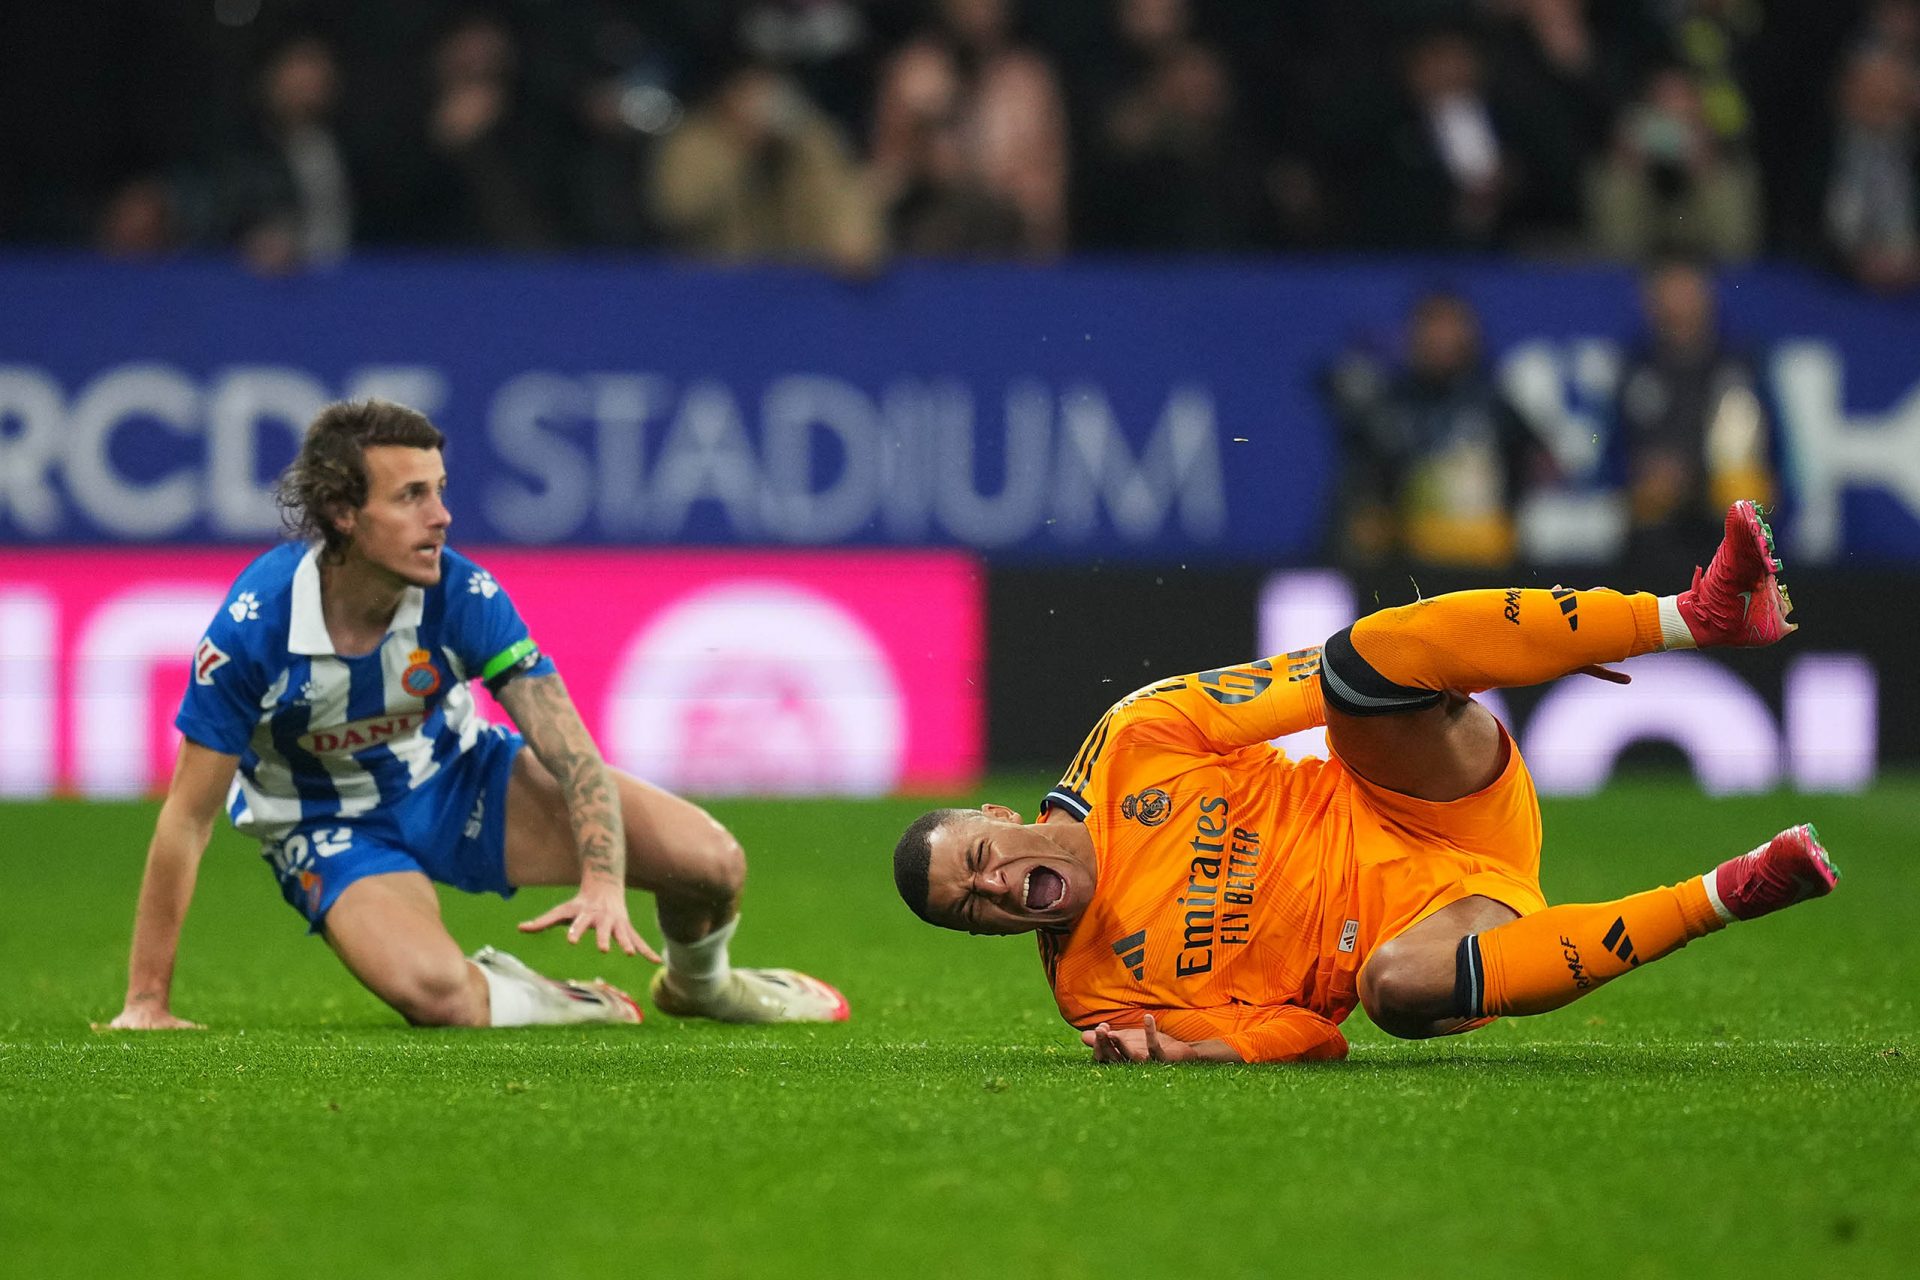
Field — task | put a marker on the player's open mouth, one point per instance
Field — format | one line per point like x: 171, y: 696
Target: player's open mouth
x: 1044, y: 889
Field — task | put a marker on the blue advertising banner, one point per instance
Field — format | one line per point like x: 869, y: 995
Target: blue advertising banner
x: 1147, y: 412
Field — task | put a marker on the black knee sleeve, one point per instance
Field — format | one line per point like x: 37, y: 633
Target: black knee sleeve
x: 1350, y: 685
x: 1469, y: 981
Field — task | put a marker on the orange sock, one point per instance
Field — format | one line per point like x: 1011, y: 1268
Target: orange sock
x: 1553, y: 957
x: 1474, y: 640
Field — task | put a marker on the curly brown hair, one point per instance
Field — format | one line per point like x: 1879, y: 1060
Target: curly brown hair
x: 330, y: 475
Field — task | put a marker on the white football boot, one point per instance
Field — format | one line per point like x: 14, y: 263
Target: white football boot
x: 559, y: 1001
x: 752, y: 995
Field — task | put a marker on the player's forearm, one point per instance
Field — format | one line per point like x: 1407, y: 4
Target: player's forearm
x: 545, y: 714
x: 166, y: 889
x: 594, y: 814
x: 1286, y: 1033
x: 1302, y: 1038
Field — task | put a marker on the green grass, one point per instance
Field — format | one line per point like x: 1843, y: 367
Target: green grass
x: 1749, y: 1107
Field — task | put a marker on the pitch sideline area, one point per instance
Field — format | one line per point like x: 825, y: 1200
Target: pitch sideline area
x: 1749, y: 1107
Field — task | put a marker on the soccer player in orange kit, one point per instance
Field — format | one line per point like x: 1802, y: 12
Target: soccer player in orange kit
x: 1198, y: 896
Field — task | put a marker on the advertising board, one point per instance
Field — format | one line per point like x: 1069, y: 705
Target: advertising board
x: 715, y: 672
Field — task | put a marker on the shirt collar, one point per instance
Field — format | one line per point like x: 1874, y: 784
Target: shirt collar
x: 307, y: 634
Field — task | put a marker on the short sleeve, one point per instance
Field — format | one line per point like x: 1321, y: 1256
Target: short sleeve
x: 222, y: 702
x: 486, y: 632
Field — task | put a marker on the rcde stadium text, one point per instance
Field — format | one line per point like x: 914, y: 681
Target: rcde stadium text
x: 145, y: 451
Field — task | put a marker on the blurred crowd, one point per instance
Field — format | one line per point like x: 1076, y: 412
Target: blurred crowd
x: 842, y: 132
x: 1449, y: 462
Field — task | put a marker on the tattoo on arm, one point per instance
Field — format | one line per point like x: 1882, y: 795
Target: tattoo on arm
x: 545, y: 715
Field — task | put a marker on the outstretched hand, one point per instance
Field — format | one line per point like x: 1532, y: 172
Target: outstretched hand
x: 1136, y: 1044
x: 602, y: 910
x: 146, y: 1017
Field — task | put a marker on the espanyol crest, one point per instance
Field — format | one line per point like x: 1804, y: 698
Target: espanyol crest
x: 421, y: 678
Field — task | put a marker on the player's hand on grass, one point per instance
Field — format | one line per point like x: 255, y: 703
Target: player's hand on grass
x: 601, y: 909
x: 1136, y: 1044
x: 138, y: 1016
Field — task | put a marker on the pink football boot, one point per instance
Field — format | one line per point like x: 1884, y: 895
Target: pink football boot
x: 1789, y: 868
x: 1736, y: 600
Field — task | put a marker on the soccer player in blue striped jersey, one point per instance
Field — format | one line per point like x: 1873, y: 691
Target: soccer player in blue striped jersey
x: 329, y: 713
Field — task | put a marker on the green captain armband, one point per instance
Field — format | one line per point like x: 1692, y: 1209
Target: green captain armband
x: 500, y: 668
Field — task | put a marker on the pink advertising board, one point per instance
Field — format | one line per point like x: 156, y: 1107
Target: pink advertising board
x: 711, y: 672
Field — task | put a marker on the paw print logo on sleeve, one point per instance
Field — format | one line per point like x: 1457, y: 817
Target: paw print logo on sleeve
x: 482, y: 584
x: 245, y: 607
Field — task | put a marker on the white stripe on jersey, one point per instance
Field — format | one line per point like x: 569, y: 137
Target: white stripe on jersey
x: 332, y: 683
x: 271, y: 804
x: 462, y: 718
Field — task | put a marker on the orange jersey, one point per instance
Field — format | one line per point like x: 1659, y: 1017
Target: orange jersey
x: 1237, y: 892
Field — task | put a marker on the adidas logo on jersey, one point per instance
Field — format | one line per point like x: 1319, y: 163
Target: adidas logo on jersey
x: 1132, y: 951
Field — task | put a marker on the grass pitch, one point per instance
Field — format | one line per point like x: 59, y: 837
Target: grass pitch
x: 1749, y: 1107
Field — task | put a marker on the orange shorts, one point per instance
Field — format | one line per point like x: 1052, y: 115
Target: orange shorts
x: 1413, y: 857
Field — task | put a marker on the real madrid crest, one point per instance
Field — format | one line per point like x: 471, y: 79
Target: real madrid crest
x: 1148, y: 808
x: 421, y: 678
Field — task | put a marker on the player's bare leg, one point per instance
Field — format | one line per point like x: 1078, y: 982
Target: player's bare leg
x: 387, y: 930
x: 695, y: 869
x: 1407, y: 984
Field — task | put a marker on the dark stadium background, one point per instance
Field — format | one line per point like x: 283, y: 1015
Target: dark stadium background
x: 213, y: 216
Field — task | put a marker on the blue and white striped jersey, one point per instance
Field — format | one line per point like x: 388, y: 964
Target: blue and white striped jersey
x: 324, y: 736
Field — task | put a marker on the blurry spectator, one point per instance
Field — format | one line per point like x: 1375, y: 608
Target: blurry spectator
x: 1002, y: 105
x: 286, y: 191
x: 1435, y: 458
x: 1556, y: 81
x: 1442, y: 178
x: 1715, y: 38
x: 825, y: 44
x: 140, y: 220
x: 1169, y: 172
x: 619, y: 117
x: 757, y: 171
x: 1894, y: 26
x: 492, y: 157
x: 1691, y: 433
x: 934, y: 200
x: 1670, y: 185
x: 1871, y: 221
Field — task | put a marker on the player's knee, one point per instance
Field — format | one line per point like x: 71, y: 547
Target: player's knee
x: 438, y: 996
x: 710, y: 866
x: 1399, y: 995
x: 728, y: 864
